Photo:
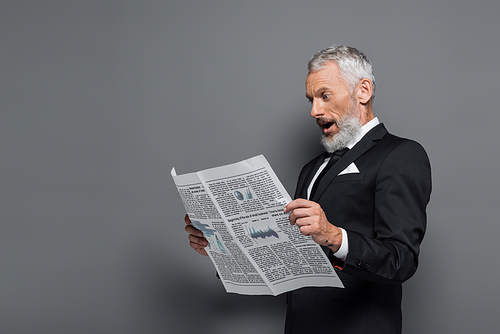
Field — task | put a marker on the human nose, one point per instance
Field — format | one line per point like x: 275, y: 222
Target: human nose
x: 316, y: 110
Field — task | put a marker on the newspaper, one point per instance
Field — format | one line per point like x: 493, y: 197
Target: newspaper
x: 254, y: 248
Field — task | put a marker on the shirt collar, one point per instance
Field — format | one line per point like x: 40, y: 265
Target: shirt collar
x: 364, y: 130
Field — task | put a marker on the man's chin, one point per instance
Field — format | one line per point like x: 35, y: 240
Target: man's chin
x: 328, y: 140
x: 330, y: 144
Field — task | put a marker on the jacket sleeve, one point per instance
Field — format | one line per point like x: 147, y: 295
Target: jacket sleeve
x: 402, y: 191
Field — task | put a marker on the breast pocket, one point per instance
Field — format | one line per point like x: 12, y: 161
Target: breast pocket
x: 349, y: 177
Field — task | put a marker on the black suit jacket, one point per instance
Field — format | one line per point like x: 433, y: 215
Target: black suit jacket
x: 382, y: 209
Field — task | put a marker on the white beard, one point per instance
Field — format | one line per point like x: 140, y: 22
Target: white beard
x: 348, y: 129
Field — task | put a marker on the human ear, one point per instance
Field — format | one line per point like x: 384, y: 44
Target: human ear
x: 365, y: 90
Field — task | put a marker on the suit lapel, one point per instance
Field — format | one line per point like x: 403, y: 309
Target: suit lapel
x: 305, y: 184
x: 367, y: 142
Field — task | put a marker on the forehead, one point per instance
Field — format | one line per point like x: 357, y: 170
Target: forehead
x: 328, y: 77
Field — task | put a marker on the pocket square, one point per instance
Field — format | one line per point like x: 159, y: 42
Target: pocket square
x: 352, y: 168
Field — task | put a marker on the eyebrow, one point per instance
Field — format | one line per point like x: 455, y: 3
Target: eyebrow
x: 321, y: 90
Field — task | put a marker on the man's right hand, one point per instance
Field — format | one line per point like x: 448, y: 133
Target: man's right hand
x: 196, y: 239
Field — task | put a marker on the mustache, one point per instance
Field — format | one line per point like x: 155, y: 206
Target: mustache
x: 325, y: 121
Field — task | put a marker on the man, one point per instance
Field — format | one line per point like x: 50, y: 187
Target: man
x: 363, y: 201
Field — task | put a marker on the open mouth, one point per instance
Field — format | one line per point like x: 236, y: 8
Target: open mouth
x: 326, y: 125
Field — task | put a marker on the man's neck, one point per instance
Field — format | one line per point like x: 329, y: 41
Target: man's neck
x: 364, y: 130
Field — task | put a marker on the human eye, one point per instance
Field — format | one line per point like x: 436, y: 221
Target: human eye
x: 326, y: 96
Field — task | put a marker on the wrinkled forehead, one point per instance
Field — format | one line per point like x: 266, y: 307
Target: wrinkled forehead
x: 329, y: 76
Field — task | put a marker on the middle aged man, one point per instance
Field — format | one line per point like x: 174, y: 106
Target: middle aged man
x: 363, y: 201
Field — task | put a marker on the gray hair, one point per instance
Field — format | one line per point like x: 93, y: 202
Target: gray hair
x: 352, y: 63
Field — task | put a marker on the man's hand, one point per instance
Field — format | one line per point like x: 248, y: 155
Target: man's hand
x: 196, y: 239
x: 311, y: 220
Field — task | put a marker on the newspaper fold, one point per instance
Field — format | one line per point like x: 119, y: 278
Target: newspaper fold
x: 254, y: 248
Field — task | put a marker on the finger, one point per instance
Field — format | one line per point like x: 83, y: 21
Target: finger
x: 294, y: 216
x: 293, y: 205
x: 201, y: 242
x: 187, y: 220
x: 198, y: 249
x: 303, y: 221
x: 300, y: 213
x: 298, y: 203
x: 198, y: 244
x: 305, y: 230
x: 192, y: 230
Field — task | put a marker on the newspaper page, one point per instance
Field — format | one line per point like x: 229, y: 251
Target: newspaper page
x: 254, y: 248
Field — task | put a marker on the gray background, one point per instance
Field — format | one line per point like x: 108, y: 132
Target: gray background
x: 100, y: 99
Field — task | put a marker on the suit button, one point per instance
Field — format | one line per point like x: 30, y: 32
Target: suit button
x: 362, y: 265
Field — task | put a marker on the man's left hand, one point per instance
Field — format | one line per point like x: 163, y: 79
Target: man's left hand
x: 311, y: 220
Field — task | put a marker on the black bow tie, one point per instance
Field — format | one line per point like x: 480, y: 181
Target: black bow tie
x: 338, y: 154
